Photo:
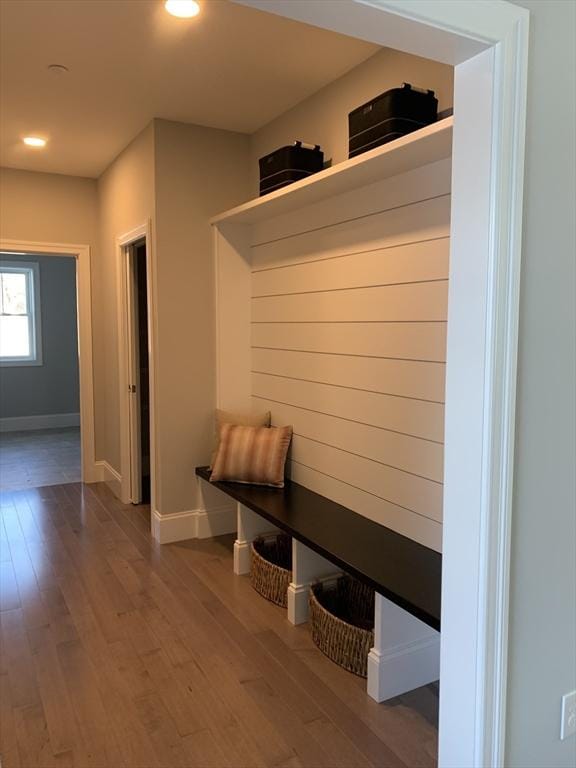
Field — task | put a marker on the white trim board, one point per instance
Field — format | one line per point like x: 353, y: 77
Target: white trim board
x: 142, y: 232
x: 41, y: 421
x: 105, y: 473
x: 406, y: 652
x: 427, y: 145
x: 488, y: 43
x: 193, y: 524
x: 85, y: 355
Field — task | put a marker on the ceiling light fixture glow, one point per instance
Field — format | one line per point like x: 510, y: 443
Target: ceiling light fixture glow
x: 183, y: 9
x: 34, y: 141
x: 58, y: 69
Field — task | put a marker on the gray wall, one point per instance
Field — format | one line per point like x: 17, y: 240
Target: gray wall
x: 53, y: 386
x: 542, y: 661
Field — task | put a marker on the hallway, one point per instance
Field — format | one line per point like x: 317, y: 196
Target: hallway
x: 121, y: 652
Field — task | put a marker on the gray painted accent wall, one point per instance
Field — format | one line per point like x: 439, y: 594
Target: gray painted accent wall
x: 52, y: 387
x: 542, y: 651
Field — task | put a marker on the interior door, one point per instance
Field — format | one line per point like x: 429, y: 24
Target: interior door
x: 143, y: 382
x: 133, y: 376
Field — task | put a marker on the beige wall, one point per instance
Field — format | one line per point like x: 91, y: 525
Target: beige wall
x: 323, y: 117
x: 177, y: 176
x: 67, y: 209
x: 542, y: 658
x: 47, y: 207
x: 50, y: 208
x: 199, y: 172
x: 126, y: 201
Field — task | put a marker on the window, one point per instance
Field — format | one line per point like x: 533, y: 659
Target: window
x: 20, y: 340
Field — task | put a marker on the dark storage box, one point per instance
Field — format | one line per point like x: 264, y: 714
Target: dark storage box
x: 289, y: 164
x: 389, y: 116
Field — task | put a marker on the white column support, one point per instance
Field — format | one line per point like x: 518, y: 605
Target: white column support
x: 250, y: 525
x: 406, y: 653
x: 307, y: 566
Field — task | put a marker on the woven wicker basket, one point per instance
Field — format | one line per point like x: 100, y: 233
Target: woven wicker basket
x: 342, y: 622
x: 271, y: 567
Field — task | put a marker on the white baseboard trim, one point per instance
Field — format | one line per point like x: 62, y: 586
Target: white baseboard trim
x: 105, y: 473
x: 216, y: 521
x: 242, y: 557
x: 398, y: 670
x: 298, y: 600
x: 193, y: 524
x: 45, y: 421
x: 178, y: 526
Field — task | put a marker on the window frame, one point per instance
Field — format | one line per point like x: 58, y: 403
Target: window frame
x: 31, y: 270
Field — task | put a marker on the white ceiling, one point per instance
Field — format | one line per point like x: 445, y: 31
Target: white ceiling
x: 232, y: 67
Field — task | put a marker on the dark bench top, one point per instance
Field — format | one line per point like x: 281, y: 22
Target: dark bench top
x: 407, y: 573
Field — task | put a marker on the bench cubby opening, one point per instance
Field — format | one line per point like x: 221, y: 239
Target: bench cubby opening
x: 325, y: 539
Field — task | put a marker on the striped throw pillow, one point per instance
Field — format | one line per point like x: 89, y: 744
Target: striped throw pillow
x: 230, y: 417
x: 252, y: 454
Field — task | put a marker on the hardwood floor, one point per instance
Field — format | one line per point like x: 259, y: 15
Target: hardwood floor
x: 39, y: 457
x: 118, y: 652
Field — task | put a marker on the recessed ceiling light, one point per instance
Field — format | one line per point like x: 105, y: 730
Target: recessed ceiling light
x: 58, y: 69
x: 183, y: 9
x: 34, y: 141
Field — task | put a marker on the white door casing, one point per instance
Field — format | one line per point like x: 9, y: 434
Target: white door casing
x: 133, y: 389
x: 90, y: 471
x: 128, y: 365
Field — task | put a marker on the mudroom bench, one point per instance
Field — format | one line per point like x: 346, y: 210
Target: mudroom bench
x: 327, y: 538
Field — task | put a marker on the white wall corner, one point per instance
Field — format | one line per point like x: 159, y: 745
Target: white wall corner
x: 193, y: 524
x: 217, y: 513
x: 93, y: 473
x: 216, y: 521
x: 177, y: 526
x: 105, y: 473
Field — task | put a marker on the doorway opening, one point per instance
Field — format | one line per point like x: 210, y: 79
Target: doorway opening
x: 136, y: 365
x: 139, y: 384
x: 69, y: 408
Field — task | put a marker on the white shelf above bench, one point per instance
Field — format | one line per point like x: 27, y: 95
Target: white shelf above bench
x: 412, y: 151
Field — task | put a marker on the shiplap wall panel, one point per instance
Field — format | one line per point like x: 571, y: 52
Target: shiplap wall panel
x: 409, y: 417
x: 406, y: 378
x: 421, y: 529
x: 409, y: 454
x: 419, y: 184
x: 408, y: 341
x: 416, y: 494
x: 349, y: 310
x: 413, y: 223
x: 406, y: 303
x: 409, y: 263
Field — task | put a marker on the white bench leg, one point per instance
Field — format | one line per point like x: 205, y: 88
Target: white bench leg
x: 307, y: 566
x: 406, y: 652
x: 250, y: 525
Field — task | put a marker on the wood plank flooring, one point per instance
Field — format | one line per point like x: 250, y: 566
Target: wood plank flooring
x: 39, y: 457
x: 117, y: 652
